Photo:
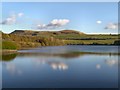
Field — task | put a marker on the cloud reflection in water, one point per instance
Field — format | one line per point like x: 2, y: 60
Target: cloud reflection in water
x: 111, y: 62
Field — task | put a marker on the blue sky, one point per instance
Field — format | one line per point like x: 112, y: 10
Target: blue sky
x: 87, y: 17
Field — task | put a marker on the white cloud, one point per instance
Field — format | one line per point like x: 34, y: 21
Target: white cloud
x: 11, y: 19
x: 20, y: 14
x: 99, y: 22
x: 111, y: 26
x: 54, y: 24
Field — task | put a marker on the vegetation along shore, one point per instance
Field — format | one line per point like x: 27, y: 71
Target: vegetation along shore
x: 28, y: 38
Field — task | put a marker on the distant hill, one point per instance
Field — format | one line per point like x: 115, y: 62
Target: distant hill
x: 35, y: 33
x: 71, y: 32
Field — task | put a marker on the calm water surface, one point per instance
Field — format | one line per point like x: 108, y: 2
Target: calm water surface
x: 62, y: 67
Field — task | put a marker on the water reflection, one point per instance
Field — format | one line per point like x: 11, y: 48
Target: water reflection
x: 111, y: 62
x: 54, y: 63
x: 68, y: 55
x: 98, y: 66
x: 11, y: 67
x: 49, y: 58
x: 74, y: 69
x: 58, y: 64
x: 9, y: 57
x: 6, y: 58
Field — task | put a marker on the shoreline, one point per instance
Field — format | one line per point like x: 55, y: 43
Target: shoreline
x: 5, y: 51
x: 95, y: 44
x: 8, y: 50
x: 27, y: 48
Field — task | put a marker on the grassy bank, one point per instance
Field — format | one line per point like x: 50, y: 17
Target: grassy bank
x: 89, y: 42
x: 9, y: 46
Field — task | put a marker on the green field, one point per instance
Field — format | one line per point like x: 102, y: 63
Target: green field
x: 88, y: 39
x: 9, y: 45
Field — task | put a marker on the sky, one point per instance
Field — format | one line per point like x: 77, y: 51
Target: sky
x: 86, y: 17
